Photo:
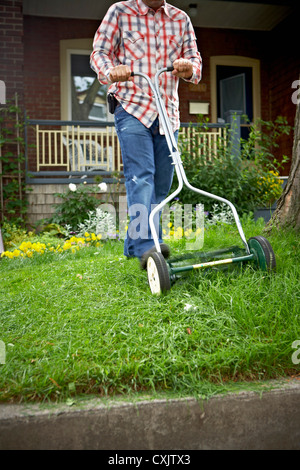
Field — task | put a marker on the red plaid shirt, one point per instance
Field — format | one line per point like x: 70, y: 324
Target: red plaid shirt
x: 133, y: 34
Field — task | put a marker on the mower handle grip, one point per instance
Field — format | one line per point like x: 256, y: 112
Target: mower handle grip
x: 168, y: 69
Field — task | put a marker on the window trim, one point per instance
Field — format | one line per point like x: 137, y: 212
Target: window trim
x: 67, y: 47
x: 236, y: 61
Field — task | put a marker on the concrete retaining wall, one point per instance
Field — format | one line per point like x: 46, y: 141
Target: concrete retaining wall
x: 247, y: 420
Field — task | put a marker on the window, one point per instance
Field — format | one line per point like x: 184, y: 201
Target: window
x: 98, y: 112
x: 235, y: 83
x: 235, y: 93
x: 83, y: 98
x: 88, y: 96
x: 232, y: 94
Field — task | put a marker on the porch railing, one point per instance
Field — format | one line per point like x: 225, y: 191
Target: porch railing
x: 56, y: 150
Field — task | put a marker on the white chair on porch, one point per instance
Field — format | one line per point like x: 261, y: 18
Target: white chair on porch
x: 85, y: 155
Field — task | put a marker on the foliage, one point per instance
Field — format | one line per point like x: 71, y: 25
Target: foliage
x: 11, y: 136
x: 77, y: 201
x: 249, y: 182
x: 28, y: 248
x: 55, y: 230
x: 13, y: 233
x: 99, y: 222
x: 181, y: 221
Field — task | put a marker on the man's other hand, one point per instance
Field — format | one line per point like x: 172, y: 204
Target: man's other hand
x: 121, y: 73
x: 183, y: 68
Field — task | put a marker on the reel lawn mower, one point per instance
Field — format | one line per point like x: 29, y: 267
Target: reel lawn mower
x: 162, y: 273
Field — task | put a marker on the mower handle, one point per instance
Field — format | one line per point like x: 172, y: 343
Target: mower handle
x: 167, y: 69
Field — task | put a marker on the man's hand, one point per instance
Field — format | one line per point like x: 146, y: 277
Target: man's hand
x: 183, y: 68
x: 121, y: 73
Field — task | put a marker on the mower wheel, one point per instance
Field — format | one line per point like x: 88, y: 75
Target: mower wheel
x: 263, y: 252
x: 158, y: 273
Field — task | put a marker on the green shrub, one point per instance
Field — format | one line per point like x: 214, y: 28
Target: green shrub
x: 249, y: 181
x: 13, y: 234
x: 77, y: 201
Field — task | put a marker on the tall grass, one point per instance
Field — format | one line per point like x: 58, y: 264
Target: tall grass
x: 87, y: 323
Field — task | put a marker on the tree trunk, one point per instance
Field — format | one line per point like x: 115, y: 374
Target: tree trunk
x: 90, y: 98
x: 80, y: 112
x: 287, y: 213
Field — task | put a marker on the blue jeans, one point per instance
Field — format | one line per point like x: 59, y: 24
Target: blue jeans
x: 148, y: 172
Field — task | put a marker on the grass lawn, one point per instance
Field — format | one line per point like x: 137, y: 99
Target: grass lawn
x: 87, y: 324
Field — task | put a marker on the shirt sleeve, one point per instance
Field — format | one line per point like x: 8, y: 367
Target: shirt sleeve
x: 105, y: 42
x: 190, y: 51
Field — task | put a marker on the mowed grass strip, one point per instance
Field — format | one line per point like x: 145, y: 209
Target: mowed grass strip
x: 87, y: 323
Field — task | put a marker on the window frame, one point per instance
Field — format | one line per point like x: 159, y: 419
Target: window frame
x: 236, y: 61
x: 68, y: 48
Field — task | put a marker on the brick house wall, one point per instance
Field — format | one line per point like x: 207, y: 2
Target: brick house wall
x: 42, y: 61
x: 219, y: 42
x: 284, y: 69
x: 11, y: 48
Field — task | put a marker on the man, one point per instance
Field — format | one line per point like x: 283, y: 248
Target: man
x: 144, y: 36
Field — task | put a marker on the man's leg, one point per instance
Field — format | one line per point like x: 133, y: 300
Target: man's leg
x: 164, y: 170
x: 148, y: 174
x: 138, y: 160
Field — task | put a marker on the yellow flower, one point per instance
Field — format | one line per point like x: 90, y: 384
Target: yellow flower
x: 25, y: 246
x: 179, y: 232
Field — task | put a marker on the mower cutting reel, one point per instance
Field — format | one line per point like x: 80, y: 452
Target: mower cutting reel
x: 162, y: 273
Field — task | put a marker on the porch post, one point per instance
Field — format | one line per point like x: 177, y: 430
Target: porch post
x: 1, y: 243
x: 233, y: 117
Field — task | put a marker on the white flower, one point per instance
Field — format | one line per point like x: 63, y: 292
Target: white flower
x: 102, y: 187
x: 187, y: 306
x: 72, y: 187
